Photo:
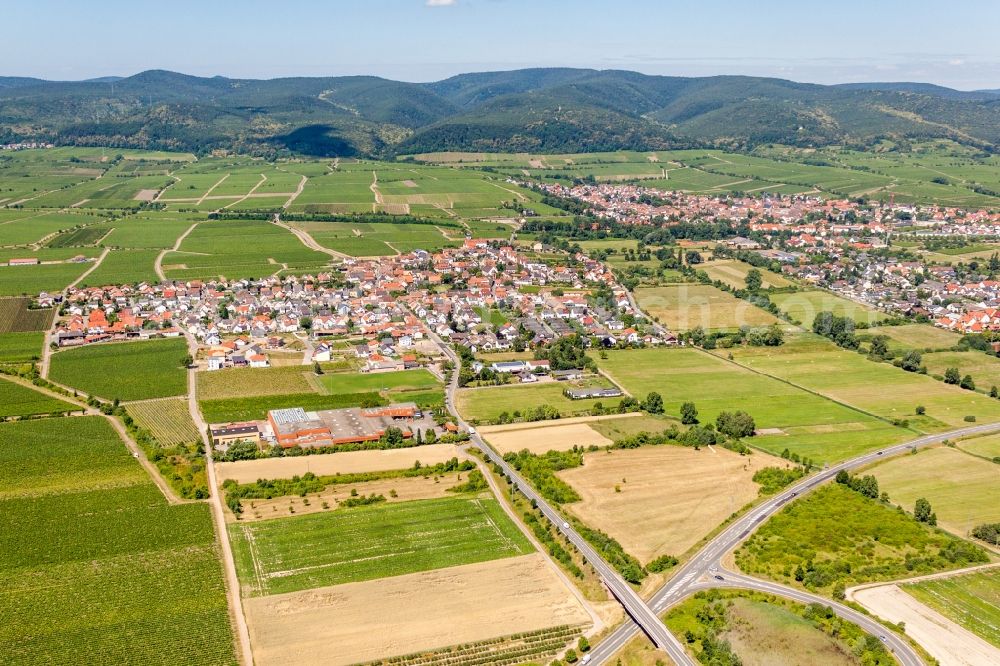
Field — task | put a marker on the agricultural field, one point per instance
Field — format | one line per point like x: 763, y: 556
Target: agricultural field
x: 116, y: 189
x: 239, y: 249
x: 167, y: 419
x: 849, y: 539
x: 226, y: 410
x: 682, y: 307
x: 734, y: 273
x: 21, y: 347
x: 541, y: 436
x: 488, y: 403
x: 922, y: 337
x: 624, y: 492
x: 972, y: 601
x: 149, y: 230
x: 394, y: 489
x: 94, y: 561
x: 250, y: 391
x: 27, y: 227
x: 958, y: 486
x: 361, y: 239
x: 806, y: 424
x: 329, y: 464
x: 16, y: 317
x: 242, y: 382
x: 803, y: 306
x: 30, y: 280
x: 364, y: 543
x: 421, y: 614
x: 984, y: 368
x: 124, y: 267
x: 19, y: 400
x: 946, y: 641
x: 987, y: 446
x: 81, y: 237
x: 401, y: 386
x: 876, y: 388
x: 124, y: 370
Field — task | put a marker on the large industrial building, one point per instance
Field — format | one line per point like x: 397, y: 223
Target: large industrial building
x: 330, y: 427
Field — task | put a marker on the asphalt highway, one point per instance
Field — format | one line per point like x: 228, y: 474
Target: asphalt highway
x: 704, y: 570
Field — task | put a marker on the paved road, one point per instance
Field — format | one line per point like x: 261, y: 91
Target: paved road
x: 897, y: 645
x: 692, y: 575
x: 245, y: 650
x: 642, y: 614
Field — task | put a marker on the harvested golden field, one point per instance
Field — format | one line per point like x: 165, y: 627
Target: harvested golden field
x: 348, y: 462
x: 361, y: 622
x: 668, y: 497
x: 961, y: 488
x: 401, y: 489
x: 539, y: 438
x: 682, y: 307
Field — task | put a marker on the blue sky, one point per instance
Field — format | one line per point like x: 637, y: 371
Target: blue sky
x: 952, y: 42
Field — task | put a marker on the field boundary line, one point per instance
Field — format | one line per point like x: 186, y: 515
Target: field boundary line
x: 295, y: 195
x: 246, y: 196
x: 209, y: 190
x: 158, y: 264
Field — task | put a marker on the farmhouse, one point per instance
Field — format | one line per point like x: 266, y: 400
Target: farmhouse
x: 590, y: 393
x: 353, y: 425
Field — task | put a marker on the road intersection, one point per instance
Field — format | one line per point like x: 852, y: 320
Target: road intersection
x: 705, y: 570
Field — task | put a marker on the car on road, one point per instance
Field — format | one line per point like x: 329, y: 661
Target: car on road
x: 472, y: 431
x: 880, y: 452
x: 565, y: 526
x: 718, y: 577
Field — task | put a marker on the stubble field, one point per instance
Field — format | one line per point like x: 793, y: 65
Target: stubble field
x: 663, y: 500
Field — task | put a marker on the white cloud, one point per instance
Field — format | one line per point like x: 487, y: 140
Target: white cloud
x: 441, y: 3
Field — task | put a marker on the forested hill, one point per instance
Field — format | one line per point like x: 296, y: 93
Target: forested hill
x: 539, y: 110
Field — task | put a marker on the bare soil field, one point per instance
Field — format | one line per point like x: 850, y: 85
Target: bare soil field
x: 348, y: 462
x: 359, y: 622
x: 943, y: 639
x: 551, y: 437
x: 146, y: 195
x: 406, y: 489
x: 668, y: 497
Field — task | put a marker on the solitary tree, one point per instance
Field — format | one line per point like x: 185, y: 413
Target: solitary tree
x: 754, y: 281
x: 880, y: 346
x: 967, y: 383
x: 951, y: 376
x: 186, y: 361
x: 923, y: 513
x: 911, y: 361
x: 689, y: 413
x: 653, y: 403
